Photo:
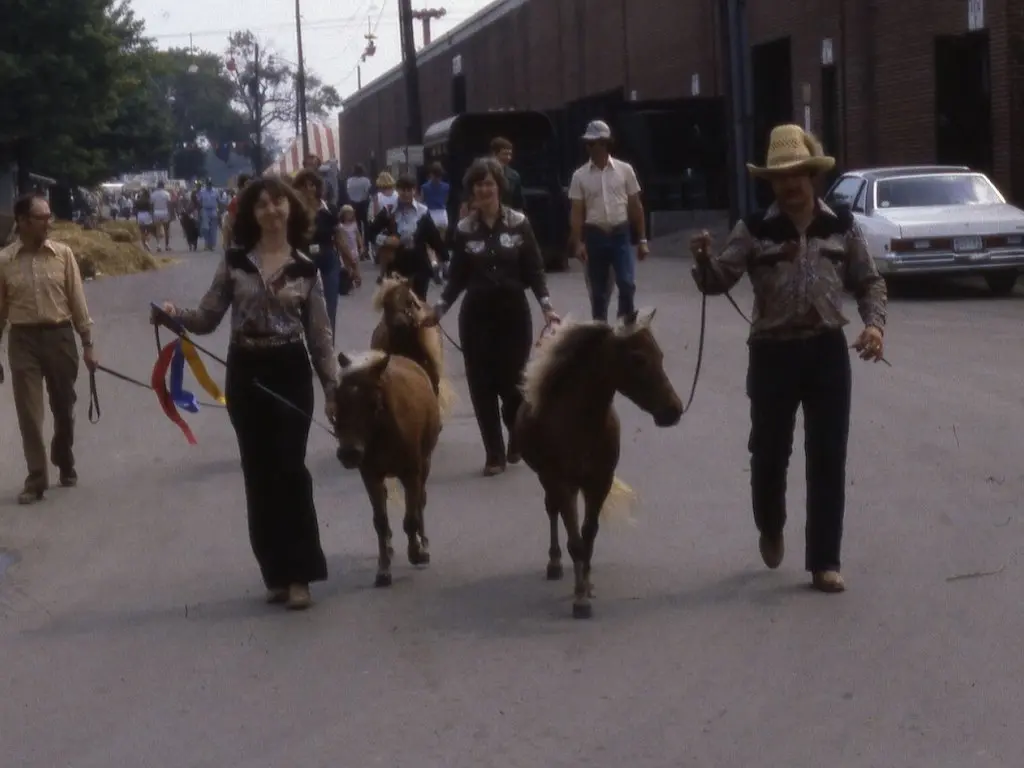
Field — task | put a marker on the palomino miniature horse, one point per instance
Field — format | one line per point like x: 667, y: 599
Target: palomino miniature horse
x: 387, y: 421
x: 569, y: 431
x: 401, y: 330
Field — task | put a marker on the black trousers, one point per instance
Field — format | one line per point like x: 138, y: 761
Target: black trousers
x: 784, y: 375
x: 283, y: 527
x: 496, y: 333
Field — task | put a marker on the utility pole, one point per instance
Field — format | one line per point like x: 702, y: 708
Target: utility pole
x: 412, y: 75
x: 425, y: 16
x: 301, y: 84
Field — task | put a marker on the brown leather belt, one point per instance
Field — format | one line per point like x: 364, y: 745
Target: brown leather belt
x: 608, y: 230
x: 42, y: 326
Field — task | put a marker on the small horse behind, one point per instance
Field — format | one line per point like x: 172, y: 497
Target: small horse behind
x: 387, y: 422
x: 569, y: 432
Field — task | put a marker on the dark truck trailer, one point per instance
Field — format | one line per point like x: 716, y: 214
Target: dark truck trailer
x: 459, y: 140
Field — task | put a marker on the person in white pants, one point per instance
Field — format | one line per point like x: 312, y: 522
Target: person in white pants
x: 161, y: 200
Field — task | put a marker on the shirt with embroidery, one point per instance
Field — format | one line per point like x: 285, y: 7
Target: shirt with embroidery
x: 42, y: 286
x: 287, y: 304
x: 504, y: 256
x: 416, y: 232
x: 798, y: 280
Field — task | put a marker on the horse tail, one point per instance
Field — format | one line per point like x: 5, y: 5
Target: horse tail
x: 396, y: 494
x: 446, y: 398
x: 618, y: 507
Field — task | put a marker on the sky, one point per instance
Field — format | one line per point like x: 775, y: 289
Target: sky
x: 332, y: 30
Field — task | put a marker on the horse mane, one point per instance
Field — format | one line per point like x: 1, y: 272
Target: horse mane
x: 387, y: 287
x: 560, y: 358
x: 362, y: 362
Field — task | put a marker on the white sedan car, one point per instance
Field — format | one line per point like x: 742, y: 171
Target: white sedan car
x: 935, y: 220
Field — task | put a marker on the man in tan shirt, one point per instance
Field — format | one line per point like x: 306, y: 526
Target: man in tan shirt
x: 605, y: 197
x: 42, y: 297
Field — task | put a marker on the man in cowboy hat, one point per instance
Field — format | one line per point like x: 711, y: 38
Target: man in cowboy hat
x: 605, y: 197
x: 800, y: 255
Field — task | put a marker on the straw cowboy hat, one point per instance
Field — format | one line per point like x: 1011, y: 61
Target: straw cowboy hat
x: 792, y: 150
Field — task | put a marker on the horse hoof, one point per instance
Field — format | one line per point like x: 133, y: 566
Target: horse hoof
x: 554, y: 571
x: 382, y: 580
x: 582, y: 610
x: 419, y: 558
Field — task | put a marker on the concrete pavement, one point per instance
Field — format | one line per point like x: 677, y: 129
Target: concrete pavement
x: 133, y: 631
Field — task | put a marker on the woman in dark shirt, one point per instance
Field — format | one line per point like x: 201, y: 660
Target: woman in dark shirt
x: 276, y: 298
x: 495, y: 258
x: 411, y: 233
x: 322, y: 243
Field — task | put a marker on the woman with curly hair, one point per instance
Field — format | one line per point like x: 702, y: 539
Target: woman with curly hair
x: 276, y: 298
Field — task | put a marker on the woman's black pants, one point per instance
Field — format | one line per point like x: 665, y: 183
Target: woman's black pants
x: 783, y: 375
x: 283, y: 527
x: 496, y: 333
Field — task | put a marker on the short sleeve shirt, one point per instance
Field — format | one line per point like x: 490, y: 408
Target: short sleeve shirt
x: 605, y: 192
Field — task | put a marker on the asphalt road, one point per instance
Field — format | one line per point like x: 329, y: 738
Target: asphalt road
x: 133, y: 631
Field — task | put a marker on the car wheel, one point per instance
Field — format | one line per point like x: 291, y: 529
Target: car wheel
x: 1001, y: 283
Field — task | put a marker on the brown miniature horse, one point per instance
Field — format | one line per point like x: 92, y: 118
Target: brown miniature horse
x: 401, y: 330
x: 387, y: 421
x: 569, y: 431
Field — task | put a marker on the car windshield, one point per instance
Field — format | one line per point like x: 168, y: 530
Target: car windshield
x: 944, y: 189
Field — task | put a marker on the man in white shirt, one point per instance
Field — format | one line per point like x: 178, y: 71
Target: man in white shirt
x: 605, y: 197
x: 161, y: 200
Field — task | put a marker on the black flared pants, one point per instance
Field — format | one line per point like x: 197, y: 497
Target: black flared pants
x: 283, y: 527
x: 496, y: 333
x: 784, y: 375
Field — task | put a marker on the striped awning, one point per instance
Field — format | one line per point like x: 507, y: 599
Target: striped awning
x: 323, y: 142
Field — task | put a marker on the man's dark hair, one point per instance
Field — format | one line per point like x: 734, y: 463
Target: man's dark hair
x: 499, y: 144
x: 309, y: 176
x: 358, y: 170
x: 243, y: 179
x: 247, y: 230
x: 23, y: 205
x: 437, y: 170
x: 406, y: 181
x: 480, y: 170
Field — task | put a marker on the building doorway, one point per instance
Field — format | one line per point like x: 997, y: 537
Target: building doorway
x: 772, y: 86
x: 963, y: 101
x: 831, y: 132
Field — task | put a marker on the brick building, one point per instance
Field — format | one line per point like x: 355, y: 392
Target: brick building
x: 922, y: 82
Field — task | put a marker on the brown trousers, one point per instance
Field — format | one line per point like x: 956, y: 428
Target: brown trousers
x: 48, y: 354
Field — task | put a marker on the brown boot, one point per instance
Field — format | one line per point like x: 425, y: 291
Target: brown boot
x: 830, y: 582
x: 29, y: 496
x: 772, y: 550
x: 299, y: 598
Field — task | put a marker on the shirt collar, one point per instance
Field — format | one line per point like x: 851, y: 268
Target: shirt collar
x: 820, y: 209
x: 48, y: 245
x: 594, y: 167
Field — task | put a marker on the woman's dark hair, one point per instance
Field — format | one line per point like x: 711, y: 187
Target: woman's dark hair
x: 500, y: 143
x: 436, y: 169
x: 480, y: 170
x: 406, y: 181
x: 23, y: 205
x: 247, y: 230
x: 358, y: 170
x: 308, y: 176
x: 243, y: 179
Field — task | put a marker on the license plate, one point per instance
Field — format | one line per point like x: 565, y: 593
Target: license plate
x: 967, y: 244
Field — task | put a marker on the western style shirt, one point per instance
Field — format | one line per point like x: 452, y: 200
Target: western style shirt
x: 798, y: 280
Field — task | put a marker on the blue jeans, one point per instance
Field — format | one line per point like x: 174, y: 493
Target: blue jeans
x: 208, y: 225
x: 329, y: 266
x: 609, y: 252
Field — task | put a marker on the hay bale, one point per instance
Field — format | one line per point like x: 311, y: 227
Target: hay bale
x: 122, y: 231
x: 99, y: 254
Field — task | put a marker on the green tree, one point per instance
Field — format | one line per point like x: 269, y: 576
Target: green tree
x: 321, y: 100
x: 65, y: 66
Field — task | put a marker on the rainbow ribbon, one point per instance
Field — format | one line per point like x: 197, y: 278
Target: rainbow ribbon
x: 170, y: 390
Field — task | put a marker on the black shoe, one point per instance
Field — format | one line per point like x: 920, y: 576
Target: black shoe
x: 68, y: 479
